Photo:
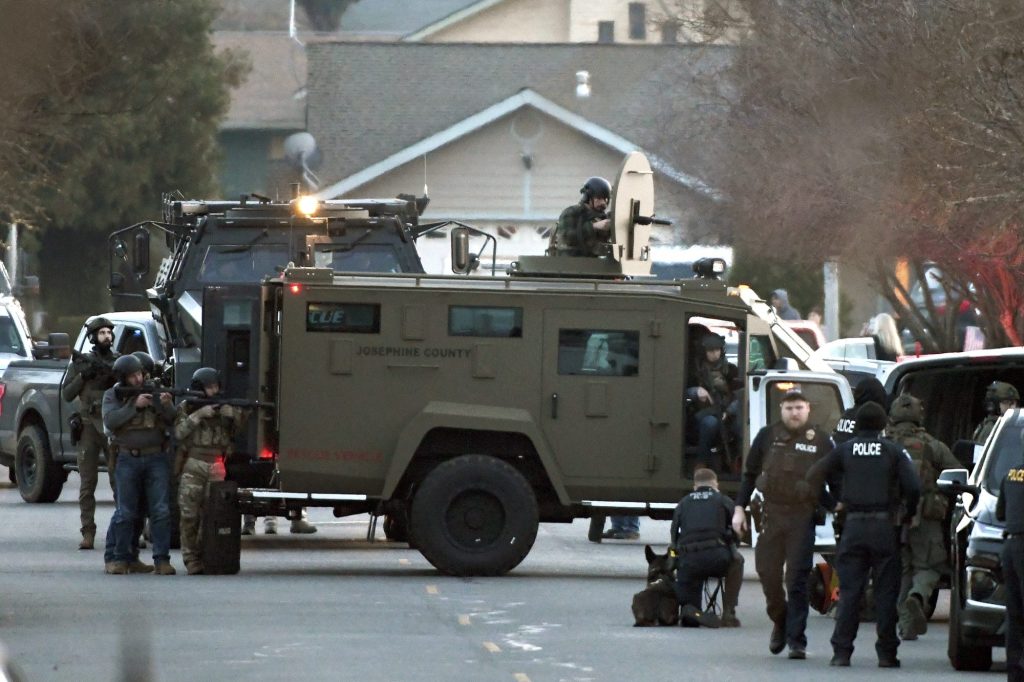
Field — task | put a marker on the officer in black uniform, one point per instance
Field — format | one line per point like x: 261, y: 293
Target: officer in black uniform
x: 871, y: 476
x: 1010, y: 508
x: 869, y: 390
x: 779, y: 459
x: 705, y: 546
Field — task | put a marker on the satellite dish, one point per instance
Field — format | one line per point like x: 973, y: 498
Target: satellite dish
x: 301, y: 151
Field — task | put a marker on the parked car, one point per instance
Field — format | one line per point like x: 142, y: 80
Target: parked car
x: 15, y: 340
x: 977, y: 606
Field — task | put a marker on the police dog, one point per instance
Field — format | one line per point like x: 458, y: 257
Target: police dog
x: 657, y: 604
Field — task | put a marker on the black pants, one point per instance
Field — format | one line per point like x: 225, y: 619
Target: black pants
x: 1013, y: 578
x: 786, y: 543
x: 693, y: 568
x: 868, y: 547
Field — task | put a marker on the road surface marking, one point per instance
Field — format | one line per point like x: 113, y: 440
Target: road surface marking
x: 492, y: 647
x: 404, y: 562
x: 464, y: 620
x: 521, y: 677
x: 431, y: 589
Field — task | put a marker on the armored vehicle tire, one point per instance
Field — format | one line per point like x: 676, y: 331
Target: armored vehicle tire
x: 474, y: 515
x: 963, y: 656
x: 39, y: 477
x: 396, y: 527
x: 11, y: 476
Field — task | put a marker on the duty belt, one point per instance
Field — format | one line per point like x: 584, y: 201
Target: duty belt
x: 875, y: 515
x: 702, y: 545
x: 206, y: 454
x: 137, y: 452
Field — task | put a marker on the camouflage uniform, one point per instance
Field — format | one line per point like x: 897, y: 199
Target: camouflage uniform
x: 204, y: 444
x: 924, y: 555
x: 87, y: 381
x: 575, y: 234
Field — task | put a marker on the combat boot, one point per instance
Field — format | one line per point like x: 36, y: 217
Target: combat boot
x: 729, y: 619
x: 164, y: 568
x: 194, y: 567
x: 137, y: 566
x: 115, y: 568
x: 916, y: 618
x: 88, y: 540
x: 249, y: 526
x: 778, y: 639
x: 270, y: 526
x: 302, y: 526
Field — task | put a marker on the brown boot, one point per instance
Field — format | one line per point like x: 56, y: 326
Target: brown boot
x: 194, y: 567
x: 88, y: 540
x: 116, y: 568
x: 164, y: 568
x: 137, y: 566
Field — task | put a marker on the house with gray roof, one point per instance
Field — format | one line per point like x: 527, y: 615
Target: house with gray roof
x: 503, y: 136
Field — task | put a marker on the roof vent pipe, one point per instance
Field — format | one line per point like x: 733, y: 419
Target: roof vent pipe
x: 582, y: 84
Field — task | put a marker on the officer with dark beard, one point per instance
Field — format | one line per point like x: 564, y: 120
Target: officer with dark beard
x: 583, y: 229
x: 871, y: 476
x: 779, y: 458
x: 89, y: 375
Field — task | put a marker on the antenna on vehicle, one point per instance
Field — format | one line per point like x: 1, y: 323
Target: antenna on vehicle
x: 293, y: 32
x: 425, y: 192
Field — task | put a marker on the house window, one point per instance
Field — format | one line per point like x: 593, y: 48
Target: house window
x: 637, y: 21
x: 670, y: 33
x: 606, y: 31
x: 598, y: 352
x: 489, y: 321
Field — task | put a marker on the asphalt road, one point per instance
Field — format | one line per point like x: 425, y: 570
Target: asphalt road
x: 333, y: 606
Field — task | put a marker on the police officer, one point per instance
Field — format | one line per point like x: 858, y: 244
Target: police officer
x: 205, y: 434
x: 924, y: 556
x: 89, y: 375
x: 583, y: 228
x: 871, y: 476
x: 779, y: 458
x: 999, y: 398
x: 705, y: 546
x: 711, y: 389
x: 869, y: 390
x: 1010, y: 508
x: 138, y: 423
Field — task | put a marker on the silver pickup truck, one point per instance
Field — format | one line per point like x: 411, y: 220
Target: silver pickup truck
x: 35, y: 443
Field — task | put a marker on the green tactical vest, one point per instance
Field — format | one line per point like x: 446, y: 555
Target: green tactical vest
x: 916, y: 441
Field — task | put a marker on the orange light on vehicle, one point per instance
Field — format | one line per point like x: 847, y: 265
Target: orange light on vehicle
x: 295, y: 288
x: 785, y: 385
x: 267, y: 453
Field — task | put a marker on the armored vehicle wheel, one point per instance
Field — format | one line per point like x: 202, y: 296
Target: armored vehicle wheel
x: 962, y: 655
x: 39, y: 477
x: 474, y: 515
x: 11, y: 476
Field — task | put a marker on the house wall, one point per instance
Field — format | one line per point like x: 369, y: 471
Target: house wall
x: 518, y: 21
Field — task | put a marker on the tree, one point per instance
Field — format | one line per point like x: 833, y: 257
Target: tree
x: 104, y: 106
x: 887, y: 134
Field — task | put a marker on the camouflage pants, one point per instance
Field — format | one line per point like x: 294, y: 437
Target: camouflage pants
x: 924, y: 563
x: 93, y: 441
x: 192, y: 491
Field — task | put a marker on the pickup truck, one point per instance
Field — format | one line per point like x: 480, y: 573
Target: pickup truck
x: 34, y: 439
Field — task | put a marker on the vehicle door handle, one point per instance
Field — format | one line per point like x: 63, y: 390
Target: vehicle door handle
x: 554, y: 406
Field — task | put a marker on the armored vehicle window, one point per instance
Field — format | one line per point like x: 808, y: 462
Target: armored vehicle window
x: 242, y: 263
x: 826, y: 403
x: 598, y: 352
x: 357, y: 258
x: 761, y: 354
x: 349, y: 318
x: 472, y: 320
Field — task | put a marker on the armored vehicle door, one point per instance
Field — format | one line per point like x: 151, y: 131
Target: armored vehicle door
x: 829, y: 395
x: 597, y: 392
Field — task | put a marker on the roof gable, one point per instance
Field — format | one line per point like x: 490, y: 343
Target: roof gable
x: 455, y: 17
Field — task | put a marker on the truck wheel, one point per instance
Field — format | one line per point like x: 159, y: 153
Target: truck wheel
x: 39, y: 478
x: 474, y: 515
x: 962, y: 655
x: 11, y: 476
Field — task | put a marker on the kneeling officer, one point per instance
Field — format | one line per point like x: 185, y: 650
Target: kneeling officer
x: 871, y: 475
x: 705, y: 548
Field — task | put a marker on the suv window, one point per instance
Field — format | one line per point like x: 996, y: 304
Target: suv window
x: 826, y: 403
x: 598, y: 352
x: 1004, y: 455
x: 10, y: 341
x: 131, y: 340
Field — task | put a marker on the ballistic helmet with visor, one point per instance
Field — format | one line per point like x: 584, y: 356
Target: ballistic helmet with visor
x: 596, y: 187
x: 907, y: 408
x: 204, y: 377
x: 125, y: 366
x: 94, y: 325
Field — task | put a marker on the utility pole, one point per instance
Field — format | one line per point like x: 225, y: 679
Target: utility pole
x: 831, y: 276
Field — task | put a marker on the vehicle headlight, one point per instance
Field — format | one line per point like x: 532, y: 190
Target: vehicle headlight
x: 982, y: 583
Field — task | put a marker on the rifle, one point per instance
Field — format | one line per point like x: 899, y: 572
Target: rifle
x: 151, y: 389
x: 92, y: 368
x: 201, y: 400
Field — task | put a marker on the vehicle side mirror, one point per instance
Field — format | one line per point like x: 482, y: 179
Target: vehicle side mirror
x: 58, y: 346
x: 952, y: 482
x: 462, y: 262
x: 966, y: 452
x: 140, y: 248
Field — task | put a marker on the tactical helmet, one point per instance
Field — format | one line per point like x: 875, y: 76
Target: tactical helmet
x: 907, y: 408
x: 95, y: 325
x: 713, y: 342
x: 596, y: 187
x: 125, y: 366
x: 148, y: 366
x: 204, y: 377
x: 999, y: 391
